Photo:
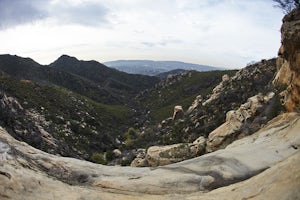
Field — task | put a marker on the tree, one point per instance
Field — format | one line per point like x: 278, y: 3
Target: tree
x: 287, y: 5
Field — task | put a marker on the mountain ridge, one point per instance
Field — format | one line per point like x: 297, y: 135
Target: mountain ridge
x: 151, y: 67
x: 102, y: 74
x: 102, y: 83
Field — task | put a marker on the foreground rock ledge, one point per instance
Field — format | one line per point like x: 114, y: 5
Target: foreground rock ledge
x: 271, y: 157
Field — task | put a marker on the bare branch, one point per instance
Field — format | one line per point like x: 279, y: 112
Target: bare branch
x: 287, y: 5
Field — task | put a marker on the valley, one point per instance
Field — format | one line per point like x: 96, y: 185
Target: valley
x: 77, y: 129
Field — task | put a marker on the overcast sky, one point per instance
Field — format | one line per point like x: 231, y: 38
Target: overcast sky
x: 225, y: 33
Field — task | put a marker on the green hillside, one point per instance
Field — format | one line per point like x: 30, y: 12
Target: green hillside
x: 179, y: 90
x: 105, y: 76
x: 80, y: 125
x: 88, y: 78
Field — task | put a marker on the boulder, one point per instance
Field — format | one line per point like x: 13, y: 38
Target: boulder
x: 198, y: 146
x: 178, y: 112
x: 164, y: 155
x: 117, y: 152
x: 140, y: 160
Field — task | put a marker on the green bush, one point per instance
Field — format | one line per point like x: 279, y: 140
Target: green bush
x: 131, y: 134
x: 98, y: 158
x: 125, y: 162
x: 130, y: 137
x: 109, y: 155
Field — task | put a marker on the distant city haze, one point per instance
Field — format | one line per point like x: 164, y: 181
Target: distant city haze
x: 220, y: 33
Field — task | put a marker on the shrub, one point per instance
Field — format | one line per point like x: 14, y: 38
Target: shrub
x: 130, y: 134
x: 130, y: 137
x: 109, y: 155
x: 98, y: 158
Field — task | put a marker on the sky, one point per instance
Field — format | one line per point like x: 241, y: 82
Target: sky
x: 224, y: 33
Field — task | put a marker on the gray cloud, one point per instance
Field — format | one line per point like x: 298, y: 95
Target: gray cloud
x: 15, y: 12
x: 86, y: 13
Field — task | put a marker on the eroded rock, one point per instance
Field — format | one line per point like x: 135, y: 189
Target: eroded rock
x: 164, y: 155
x: 217, y: 90
x: 140, y: 160
x: 243, y: 121
x: 288, y: 62
x: 178, y: 112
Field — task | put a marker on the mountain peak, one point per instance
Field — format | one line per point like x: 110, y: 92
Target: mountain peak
x: 66, y: 58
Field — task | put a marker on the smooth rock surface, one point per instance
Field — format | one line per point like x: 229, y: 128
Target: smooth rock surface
x: 273, y: 153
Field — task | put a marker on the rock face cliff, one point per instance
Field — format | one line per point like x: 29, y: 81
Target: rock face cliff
x: 288, y: 62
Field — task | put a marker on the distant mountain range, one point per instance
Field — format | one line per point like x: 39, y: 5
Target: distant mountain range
x: 153, y: 68
x: 88, y: 78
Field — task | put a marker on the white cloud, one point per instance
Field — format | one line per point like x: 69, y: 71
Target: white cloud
x: 214, y: 32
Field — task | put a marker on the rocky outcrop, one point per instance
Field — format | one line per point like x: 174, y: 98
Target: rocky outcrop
x: 34, y: 133
x: 217, y: 91
x: 247, y: 119
x: 173, y: 79
x: 288, y: 62
x: 208, y: 111
x: 164, y: 155
x: 246, y: 81
x: 140, y: 159
x: 243, y: 121
x: 9, y: 103
x: 58, y: 121
x: 198, y: 100
x: 28, y: 173
x: 178, y: 112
